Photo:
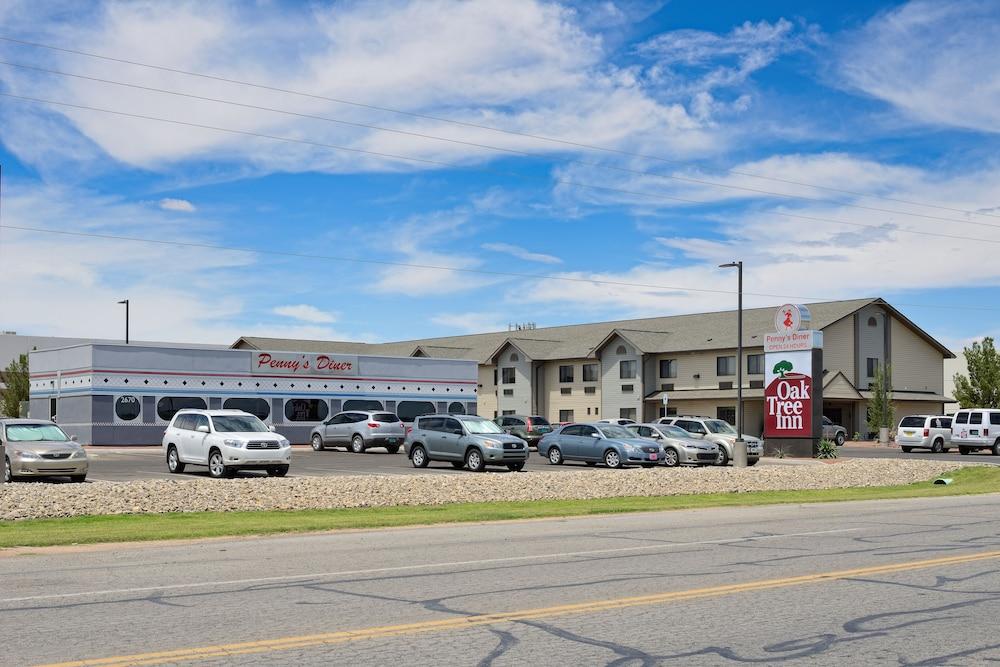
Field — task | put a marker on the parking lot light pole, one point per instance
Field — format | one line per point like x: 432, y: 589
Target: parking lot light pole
x: 739, y: 447
x: 126, y: 319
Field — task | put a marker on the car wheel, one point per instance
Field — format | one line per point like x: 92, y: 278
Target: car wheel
x: 840, y: 439
x: 752, y: 462
x: 418, y: 457
x: 174, y: 463
x: 277, y: 471
x: 392, y: 449
x: 458, y: 465
x: 963, y: 450
x: 474, y: 460
x: 317, y: 443
x: 671, y: 458
x: 8, y: 476
x: 937, y: 447
x: 358, y: 444
x: 78, y: 479
x: 612, y: 459
x: 217, y: 466
x: 515, y: 467
x: 995, y: 449
x: 555, y: 456
x: 723, y: 457
x: 907, y: 450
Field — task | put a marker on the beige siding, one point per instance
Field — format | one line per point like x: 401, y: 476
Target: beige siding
x: 838, y: 348
x: 486, y: 405
x: 519, y: 402
x: 613, y: 399
x: 584, y: 406
x: 916, y: 364
x: 704, y: 365
x: 906, y: 408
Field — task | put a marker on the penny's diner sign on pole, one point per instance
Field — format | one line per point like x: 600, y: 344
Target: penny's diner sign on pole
x: 793, y: 384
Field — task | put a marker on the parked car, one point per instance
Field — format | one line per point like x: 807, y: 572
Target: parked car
x: 621, y: 421
x: 834, y: 432
x: 722, y: 434
x: 975, y: 429
x: 464, y: 441
x: 678, y: 445
x: 226, y: 441
x: 931, y: 432
x: 37, y: 448
x: 360, y: 430
x: 600, y: 442
x: 529, y: 428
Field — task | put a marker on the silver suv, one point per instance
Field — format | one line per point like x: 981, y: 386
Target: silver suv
x: 721, y: 433
x: 359, y: 430
x: 464, y: 441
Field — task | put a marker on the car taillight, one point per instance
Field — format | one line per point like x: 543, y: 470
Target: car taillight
x: 986, y: 431
x: 373, y: 425
x: 927, y: 432
x: 408, y: 430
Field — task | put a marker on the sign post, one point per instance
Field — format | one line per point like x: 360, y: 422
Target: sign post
x: 793, y: 385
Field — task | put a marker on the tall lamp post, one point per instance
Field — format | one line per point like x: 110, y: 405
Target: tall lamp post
x: 740, y: 448
x: 125, y: 302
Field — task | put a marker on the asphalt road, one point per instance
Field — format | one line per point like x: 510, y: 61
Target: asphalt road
x: 123, y: 464
x: 912, y: 582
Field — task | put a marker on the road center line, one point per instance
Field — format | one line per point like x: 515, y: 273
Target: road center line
x: 421, y: 566
x: 461, y: 623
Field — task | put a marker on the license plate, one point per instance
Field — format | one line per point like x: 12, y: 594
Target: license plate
x: 391, y: 441
x: 907, y: 433
x: 652, y: 457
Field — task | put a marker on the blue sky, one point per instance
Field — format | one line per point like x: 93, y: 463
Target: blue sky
x: 890, y: 106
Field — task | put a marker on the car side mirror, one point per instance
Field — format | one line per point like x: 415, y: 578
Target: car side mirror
x: 72, y: 438
x: 271, y: 428
x: 202, y: 428
x: 595, y: 435
x: 457, y: 431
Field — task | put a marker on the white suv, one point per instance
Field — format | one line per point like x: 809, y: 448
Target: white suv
x: 976, y: 429
x: 225, y: 441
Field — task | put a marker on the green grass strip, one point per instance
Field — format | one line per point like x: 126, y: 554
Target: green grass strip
x: 149, y: 527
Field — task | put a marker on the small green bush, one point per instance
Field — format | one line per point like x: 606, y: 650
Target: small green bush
x: 827, y: 449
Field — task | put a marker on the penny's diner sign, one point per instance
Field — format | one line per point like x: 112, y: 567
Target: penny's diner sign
x: 788, y: 374
x: 295, y: 363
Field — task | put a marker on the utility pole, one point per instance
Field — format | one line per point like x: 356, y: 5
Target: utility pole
x: 126, y: 319
x: 740, y: 448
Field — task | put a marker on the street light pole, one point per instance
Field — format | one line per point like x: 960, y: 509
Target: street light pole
x: 739, y: 451
x: 126, y: 319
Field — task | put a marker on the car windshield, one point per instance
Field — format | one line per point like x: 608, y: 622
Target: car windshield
x: 35, y: 433
x: 477, y: 426
x: 673, y: 431
x: 239, y: 424
x: 719, y: 426
x: 615, y: 431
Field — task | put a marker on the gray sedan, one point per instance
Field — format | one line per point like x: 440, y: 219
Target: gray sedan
x: 35, y: 448
x: 678, y: 445
x: 611, y: 444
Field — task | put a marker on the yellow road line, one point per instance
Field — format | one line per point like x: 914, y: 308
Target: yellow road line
x: 345, y: 636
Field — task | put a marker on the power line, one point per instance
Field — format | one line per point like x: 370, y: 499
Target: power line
x: 451, y: 165
x: 438, y: 267
x: 564, y: 142
x: 512, y: 151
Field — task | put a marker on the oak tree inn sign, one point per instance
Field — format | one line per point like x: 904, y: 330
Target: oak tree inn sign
x: 789, y: 374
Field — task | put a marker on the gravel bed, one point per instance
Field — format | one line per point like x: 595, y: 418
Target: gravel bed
x: 42, y: 500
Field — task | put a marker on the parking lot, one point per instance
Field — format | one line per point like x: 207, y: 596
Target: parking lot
x: 118, y: 464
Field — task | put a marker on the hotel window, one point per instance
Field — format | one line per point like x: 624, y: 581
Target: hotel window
x: 590, y: 390
x: 726, y: 414
x: 725, y: 366
x: 565, y: 415
x: 508, y: 392
x: 566, y: 391
x: 668, y: 368
x: 872, y: 363
x: 168, y: 406
x: 306, y: 410
x: 507, y: 375
x: 590, y: 372
x: 626, y: 369
x: 620, y: 350
x: 626, y: 413
x: 628, y: 388
x: 565, y: 373
x: 755, y: 364
x: 258, y: 407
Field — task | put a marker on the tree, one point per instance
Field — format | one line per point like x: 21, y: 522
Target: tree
x: 782, y: 367
x: 881, y: 413
x: 15, y: 376
x: 981, y: 389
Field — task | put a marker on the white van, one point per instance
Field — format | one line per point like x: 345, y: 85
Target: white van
x: 931, y: 432
x: 976, y: 429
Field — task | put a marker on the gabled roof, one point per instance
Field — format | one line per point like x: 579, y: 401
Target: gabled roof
x: 700, y: 331
x: 837, y: 386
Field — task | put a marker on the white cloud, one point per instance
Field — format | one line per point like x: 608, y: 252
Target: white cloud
x: 182, y: 205
x: 523, y: 64
x: 306, y: 313
x: 471, y: 322
x: 522, y: 253
x: 937, y: 62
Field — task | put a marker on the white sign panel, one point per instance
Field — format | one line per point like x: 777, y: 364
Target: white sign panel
x: 792, y: 341
x: 284, y: 363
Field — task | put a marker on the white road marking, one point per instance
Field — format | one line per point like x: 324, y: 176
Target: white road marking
x: 423, y: 566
